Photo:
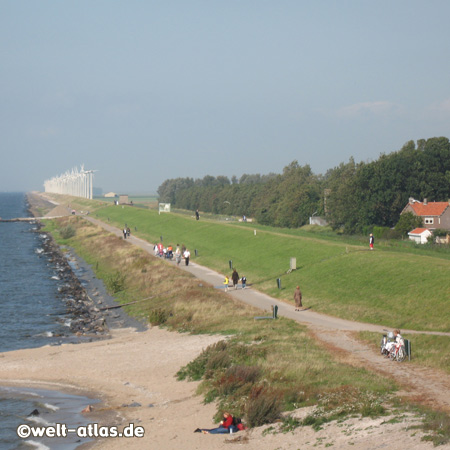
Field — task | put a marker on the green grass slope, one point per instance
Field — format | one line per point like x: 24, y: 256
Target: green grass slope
x: 396, y: 289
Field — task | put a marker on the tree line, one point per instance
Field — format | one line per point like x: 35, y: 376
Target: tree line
x: 352, y: 196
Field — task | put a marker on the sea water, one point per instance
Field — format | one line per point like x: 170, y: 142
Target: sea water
x: 31, y: 315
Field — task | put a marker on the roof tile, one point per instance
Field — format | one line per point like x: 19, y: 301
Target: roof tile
x: 430, y: 209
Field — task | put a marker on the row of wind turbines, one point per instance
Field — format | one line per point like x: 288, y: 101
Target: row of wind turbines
x: 78, y: 183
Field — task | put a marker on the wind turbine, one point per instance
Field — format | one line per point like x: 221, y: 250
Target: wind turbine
x: 72, y: 182
x: 90, y: 181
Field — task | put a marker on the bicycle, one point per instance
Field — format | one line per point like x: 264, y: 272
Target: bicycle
x: 398, y: 353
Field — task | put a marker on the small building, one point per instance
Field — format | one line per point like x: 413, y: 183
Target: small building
x: 317, y: 220
x: 434, y: 214
x: 123, y: 199
x: 420, y: 235
x: 110, y: 195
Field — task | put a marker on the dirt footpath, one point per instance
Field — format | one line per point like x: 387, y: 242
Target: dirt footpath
x: 430, y: 387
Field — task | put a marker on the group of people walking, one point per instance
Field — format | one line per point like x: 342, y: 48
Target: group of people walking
x: 180, y: 253
x: 235, y: 279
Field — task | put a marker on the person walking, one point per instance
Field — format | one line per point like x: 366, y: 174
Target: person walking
x: 244, y: 281
x: 124, y: 233
x: 235, y: 278
x: 225, y: 283
x: 187, y: 255
x: 371, y: 241
x: 178, y: 255
x: 298, y: 298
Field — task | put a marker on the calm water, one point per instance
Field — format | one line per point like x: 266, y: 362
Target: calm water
x: 32, y: 315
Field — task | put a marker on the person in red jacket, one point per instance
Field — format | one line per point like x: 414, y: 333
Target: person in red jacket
x: 226, y: 426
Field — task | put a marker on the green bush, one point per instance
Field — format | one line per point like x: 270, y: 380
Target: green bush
x: 380, y: 232
x: 67, y: 232
x: 366, y: 230
x: 246, y: 374
x: 217, y: 361
x: 408, y: 222
x: 263, y: 406
x: 289, y: 423
x: 115, y: 282
x: 237, y: 381
x: 196, y: 369
x: 158, y: 316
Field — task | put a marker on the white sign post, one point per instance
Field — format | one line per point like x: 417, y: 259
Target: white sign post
x: 164, y: 207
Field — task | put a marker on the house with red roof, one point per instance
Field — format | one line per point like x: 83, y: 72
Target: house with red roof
x: 435, y: 215
x: 420, y: 235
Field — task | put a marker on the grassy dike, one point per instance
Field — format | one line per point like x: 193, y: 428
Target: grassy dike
x: 260, y: 368
x: 392, y: 288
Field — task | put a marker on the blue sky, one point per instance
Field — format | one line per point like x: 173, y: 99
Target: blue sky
x: 145, y: 90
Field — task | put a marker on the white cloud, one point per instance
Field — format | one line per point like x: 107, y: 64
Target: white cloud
x: 367, y: 108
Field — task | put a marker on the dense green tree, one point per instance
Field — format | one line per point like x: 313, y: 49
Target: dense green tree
x: 352, y: 196
x: 408, y: 222
x: 341, y: 207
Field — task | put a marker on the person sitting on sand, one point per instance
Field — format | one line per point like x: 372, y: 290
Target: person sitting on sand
x: 226, y: 426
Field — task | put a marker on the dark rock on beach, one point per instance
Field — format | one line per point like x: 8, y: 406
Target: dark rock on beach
x: 85, y: 318
x: 90, y: 312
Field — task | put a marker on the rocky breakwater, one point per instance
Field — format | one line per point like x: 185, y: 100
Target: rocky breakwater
x: 82, y: 315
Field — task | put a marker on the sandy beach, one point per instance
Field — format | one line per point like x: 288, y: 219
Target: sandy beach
x: 133, y: 374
